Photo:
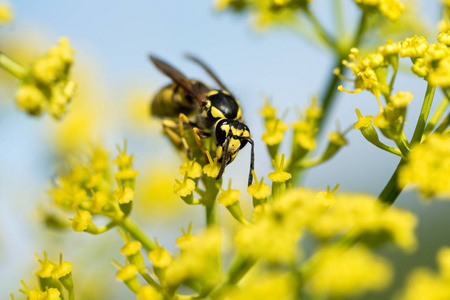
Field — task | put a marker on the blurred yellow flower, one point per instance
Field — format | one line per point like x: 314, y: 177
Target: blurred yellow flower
x: 428, y: 167
x: 349, y: 272
x: 6, y: 14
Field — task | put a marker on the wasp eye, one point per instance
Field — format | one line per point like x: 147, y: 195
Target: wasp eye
x: 221, y: 131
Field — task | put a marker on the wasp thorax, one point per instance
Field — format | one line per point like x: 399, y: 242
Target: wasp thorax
x: 221, y: 105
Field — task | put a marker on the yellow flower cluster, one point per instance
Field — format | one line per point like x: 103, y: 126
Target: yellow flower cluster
x: 279, y: 226
x: 370, y: 72
x: 391, y: 9
x: 305, y: 128
x: 86, y: 187
x: 428, y: 167
x: 6, y: 15
x: 264, y: 285
x: 53, y: 278
x: 426, y: 284
x: 349, y: 272
x: 46, y: 86
x: 197, y: 260
x: 266, y: 12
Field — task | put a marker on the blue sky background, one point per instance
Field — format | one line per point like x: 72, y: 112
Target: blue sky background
x: 112, y: 39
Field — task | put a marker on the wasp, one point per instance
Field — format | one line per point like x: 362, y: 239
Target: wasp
x: 216, y: 113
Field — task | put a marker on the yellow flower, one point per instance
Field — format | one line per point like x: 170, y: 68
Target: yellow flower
x: 31, y: 99
x: 127, y: 273
x: 198, y: 261
x: 401, y: 99
x: 160, y: 257
x: 443, y: 259
x: 131, y: 248
x: 193, y: 169
x: 275, y: 132
x: 184, y: 188
x: 148, y: 292
x: 212, y: 169
x: 392, y: 9
x: 362, y: 121
x: 123, y: 194
x: 444, y: 38
x: 99, y: 200
x: 349, y: 272
x: 279, y: 175
x: 5, y: 14
x: 428, y: 167
x: 186, y: 239
x: 81, y: 220
x: 389, y: 49
x: 267, y: 285
x: 46, y: 267
x: 424, y: 284
x: 259, y: 190
x: 268, y: 112
x: 413, y: 47
x: 421, y: 68
x: 440, y: 76
x: 228, y: 197
x: 61, y: 269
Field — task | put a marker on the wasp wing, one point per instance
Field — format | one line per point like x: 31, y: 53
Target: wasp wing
x: 208, y: 70
x: 179, y: 79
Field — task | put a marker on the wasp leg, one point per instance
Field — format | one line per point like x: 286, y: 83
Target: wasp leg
x: 197, y: 133
x: 169, y: 127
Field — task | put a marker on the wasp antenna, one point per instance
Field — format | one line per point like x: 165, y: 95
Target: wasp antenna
x: 252, y: 160
x: 224, y: 157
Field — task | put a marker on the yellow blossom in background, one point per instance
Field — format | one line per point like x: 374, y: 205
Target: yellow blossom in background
x: 349, y: 272
x: 6, y: 14
x: 426, y: 284
x: 440, y: 76
x: 265, y: 286
x: 198, y: 261
x: 392, y: 9
x: 428, y: 167
x: 155, y: 192
x: 127, y: 273
x: 50, y: 74
x: 401, y: 99
x: 160, y: 257
x: 275, y: 129
x: 147, y: 292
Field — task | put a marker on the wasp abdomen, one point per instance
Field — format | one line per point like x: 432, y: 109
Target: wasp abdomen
x: 172, y: 100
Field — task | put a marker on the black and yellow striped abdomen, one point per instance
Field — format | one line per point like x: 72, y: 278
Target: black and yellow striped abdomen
x: 172, y: 100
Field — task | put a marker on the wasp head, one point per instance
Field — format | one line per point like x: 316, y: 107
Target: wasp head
x: 230, y: 137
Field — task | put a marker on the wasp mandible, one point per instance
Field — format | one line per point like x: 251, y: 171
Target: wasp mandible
x: 216, y: 113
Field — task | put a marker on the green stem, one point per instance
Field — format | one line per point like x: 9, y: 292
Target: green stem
x: 129, y: 226
x: 437, y: 113
x: 12, y: 66
x: 209, y: 199
x: 320, y: 30
x: 338, y: 17
x: 239, y: 268
x: 392, y: 189
x: 420, y: 126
